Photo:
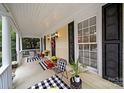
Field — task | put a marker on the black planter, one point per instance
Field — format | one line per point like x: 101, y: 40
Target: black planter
x: 74, y: 84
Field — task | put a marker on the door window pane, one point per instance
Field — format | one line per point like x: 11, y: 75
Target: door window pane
x: 86, y: 47
x: 87, y: 40
x: 81, y: 47
x: 86, y: 61
x: 85, y: 31
x: 80, y: 26
x: 93, y: 47
x: 93, y: 55
x: 86, y: 54
x: 85, y: 23
x: 92, y: 38
x: 80, y: 54
x: 80, y: 33
x: 93, y: 30
x: 79, y: 39
x: 93, y: 63
x: 81, y: 60
x: 92, y: 21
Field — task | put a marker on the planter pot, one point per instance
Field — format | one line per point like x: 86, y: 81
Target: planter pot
x: 46, y: 53
x: 75, y: 82
x: 77, y: 78
x: 42, y: 55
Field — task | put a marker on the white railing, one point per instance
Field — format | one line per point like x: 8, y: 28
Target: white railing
x: 5, y: 77
x: 27, y: 51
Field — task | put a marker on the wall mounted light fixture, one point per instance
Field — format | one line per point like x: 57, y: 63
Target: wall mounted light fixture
x: 56, y: 34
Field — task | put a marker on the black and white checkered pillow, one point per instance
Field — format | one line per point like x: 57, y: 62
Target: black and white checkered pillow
x: 51, y: 82
x: 61, y: 64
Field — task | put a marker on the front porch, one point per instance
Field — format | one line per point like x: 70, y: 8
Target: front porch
x: 29, y: 74
x: 69, y: 34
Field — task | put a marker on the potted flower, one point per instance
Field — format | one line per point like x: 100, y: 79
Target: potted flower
x: 54, y: 59
x: 46, y: 52
x: 75, y: 70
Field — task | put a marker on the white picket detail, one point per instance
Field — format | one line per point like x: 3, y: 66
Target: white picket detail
x: 5, y: 77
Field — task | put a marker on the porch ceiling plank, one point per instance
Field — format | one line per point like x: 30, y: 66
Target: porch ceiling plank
x: 38, y: 18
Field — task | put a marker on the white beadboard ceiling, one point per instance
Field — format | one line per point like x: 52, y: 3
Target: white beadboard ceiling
x: 34, y: 19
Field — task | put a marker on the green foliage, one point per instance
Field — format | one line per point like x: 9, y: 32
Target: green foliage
x: 75, y: 67
x: 46, y: 51
x: 13, y: 44
x: 31, y: 43
x: 54, y: 58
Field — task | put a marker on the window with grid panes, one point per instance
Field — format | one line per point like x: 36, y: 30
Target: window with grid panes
x: 87, y: 42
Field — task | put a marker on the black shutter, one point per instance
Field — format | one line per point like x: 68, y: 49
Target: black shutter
x: 71, y: 41
x: 112, y: 42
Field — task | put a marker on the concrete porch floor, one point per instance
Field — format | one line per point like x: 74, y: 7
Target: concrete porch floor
x: 29, y: 74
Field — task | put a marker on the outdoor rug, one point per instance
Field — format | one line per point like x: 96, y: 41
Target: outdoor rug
x: 53, y: 82
x: 33, y: 59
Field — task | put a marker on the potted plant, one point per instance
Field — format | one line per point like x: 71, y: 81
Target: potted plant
x: 75, y: 70
x: 46, y: 52
x: 54, y: 59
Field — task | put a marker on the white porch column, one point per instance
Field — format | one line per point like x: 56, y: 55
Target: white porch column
x: 20, y: 43
x: 6, y: 42
x: 17, y: 48
x: 6, y: 49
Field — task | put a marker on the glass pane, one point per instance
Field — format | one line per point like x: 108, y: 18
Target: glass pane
x: 86, y: 54
x: 80, y: 26
x: 94, y: 63
x: 92, y: 21
x: 80, y: 47
x: 93, y: 30
x: 93, y: 55
x: 92, y: 38
x: 81, y: 60
x: 80, y: 54
x: 85, y: 31
x: 86, y: 47
x: 85, y: 23
x: 80, y: 33
x: 79, y: 39
x: 86, y: 61
x: 85, y: 39
x: 93, y: 47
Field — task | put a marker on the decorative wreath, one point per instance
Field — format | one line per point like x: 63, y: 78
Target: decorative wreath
x: 52, y: 43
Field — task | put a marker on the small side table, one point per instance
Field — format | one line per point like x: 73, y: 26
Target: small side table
x: 75, y: 85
